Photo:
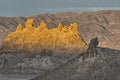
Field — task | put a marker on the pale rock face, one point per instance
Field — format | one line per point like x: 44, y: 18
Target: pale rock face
x: 34, y: 39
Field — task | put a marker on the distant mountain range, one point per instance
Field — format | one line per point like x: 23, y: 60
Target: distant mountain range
x: 103, y: 24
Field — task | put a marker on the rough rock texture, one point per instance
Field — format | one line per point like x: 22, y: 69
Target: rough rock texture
x: 103, y: 67
x: 102, y: 24
x: 31, y: 65
x: 36, y: 39
x: 96, y: 63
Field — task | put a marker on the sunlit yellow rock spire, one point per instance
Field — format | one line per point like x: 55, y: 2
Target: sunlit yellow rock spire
x: 33, y: 39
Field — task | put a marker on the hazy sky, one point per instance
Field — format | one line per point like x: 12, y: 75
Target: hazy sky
x: 32, y: 7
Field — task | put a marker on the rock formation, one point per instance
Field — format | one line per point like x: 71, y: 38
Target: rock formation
x: 34, y: 39
x: 103, y: 24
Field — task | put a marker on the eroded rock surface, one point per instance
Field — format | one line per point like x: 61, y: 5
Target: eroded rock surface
x: 35, y: 39
x: 57, y: 64
x: 102, y: 24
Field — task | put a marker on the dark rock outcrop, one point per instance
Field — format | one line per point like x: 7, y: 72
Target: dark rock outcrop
x: 103, y: 67
x: 95, y: 64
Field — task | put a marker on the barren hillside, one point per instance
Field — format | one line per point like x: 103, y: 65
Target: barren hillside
x: 100, y: 62
x: 103, y: 24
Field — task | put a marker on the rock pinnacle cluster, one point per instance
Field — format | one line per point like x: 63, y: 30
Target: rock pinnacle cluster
x: 34, y: 39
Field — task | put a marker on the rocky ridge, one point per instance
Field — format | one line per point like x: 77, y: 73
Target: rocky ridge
x: 35, y: 39
x: 96, y: 63
x: 102, y: 24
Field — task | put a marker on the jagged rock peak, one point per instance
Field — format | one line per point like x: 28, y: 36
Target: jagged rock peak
x: 34, y: 39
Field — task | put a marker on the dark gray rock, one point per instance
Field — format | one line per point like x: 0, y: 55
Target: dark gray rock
x: 105, y: 66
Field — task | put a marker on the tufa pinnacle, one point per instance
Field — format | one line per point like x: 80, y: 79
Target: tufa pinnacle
x: 34, y: 39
